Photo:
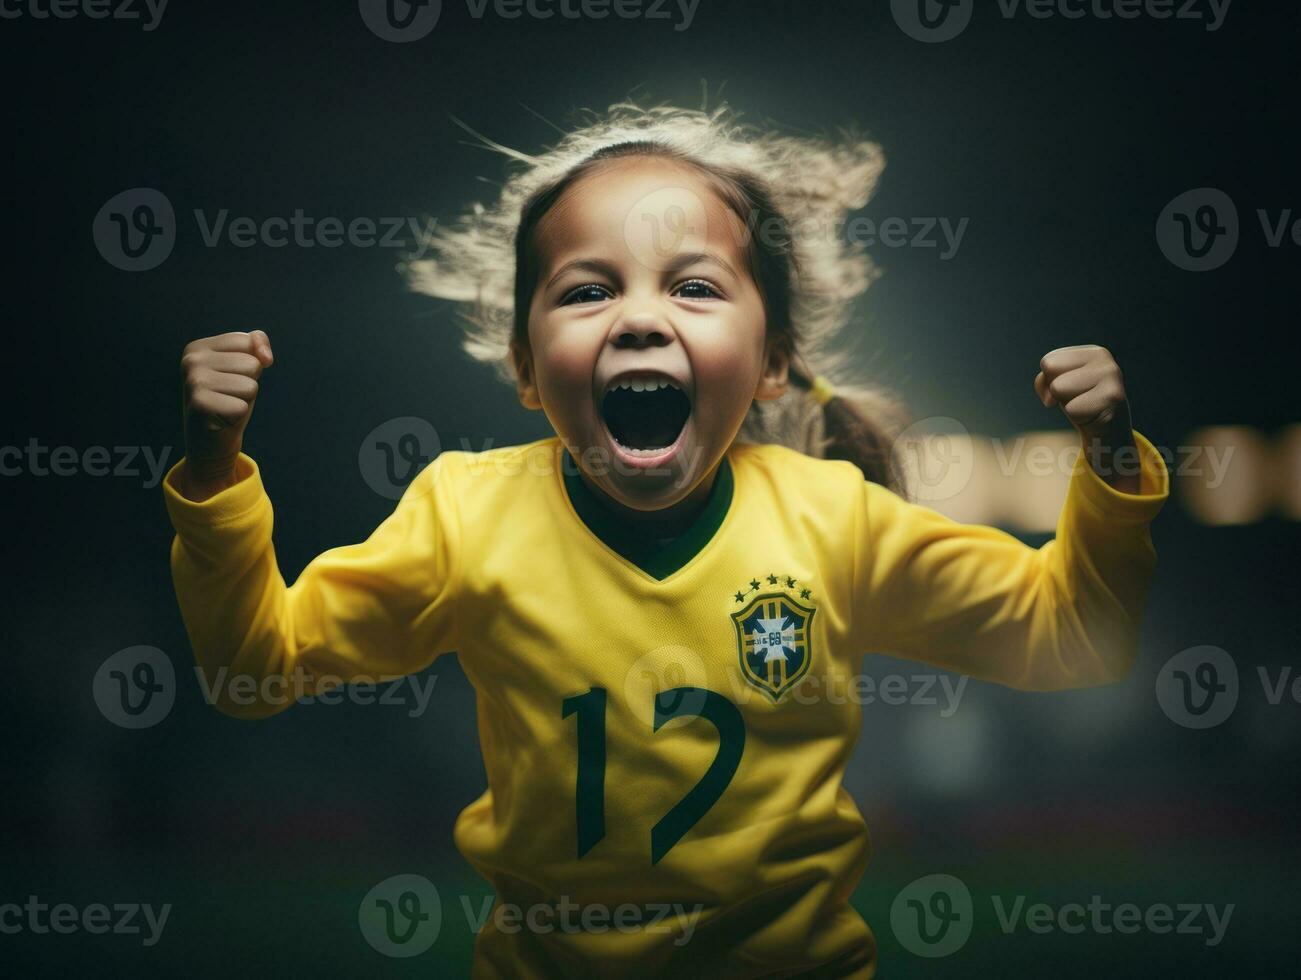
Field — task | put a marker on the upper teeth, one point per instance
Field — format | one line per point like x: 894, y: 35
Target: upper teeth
x: 645, y: 384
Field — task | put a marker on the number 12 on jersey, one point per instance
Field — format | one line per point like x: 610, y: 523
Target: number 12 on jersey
x: 678, y: 702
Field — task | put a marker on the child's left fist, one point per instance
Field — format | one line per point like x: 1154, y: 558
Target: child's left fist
x: 1086, y: 382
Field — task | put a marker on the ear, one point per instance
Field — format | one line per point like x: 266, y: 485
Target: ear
x: 525, y: 382
x: 775, y: 380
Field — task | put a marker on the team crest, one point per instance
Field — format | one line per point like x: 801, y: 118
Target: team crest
x: 774, y: 641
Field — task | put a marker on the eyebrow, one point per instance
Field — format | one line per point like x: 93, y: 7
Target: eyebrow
x: 676, y: 264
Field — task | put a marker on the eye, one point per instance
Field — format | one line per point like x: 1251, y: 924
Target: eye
x: 698, y: 289
x: 587, y: 293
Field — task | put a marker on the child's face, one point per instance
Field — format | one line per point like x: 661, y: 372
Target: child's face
x: 644, y: 277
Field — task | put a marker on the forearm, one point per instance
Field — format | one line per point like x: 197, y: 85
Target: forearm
x: 1101, y: 565
x: 1115, y: 459
x: 232, y: 597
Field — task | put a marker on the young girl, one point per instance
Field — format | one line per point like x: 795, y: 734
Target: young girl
x: 650, y: 603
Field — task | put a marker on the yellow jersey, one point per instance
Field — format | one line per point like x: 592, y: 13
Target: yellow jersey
x: 653, y: 716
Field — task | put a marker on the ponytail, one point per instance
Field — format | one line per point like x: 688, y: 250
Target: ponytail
x: 858, y: 424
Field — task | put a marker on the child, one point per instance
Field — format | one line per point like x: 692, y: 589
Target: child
x: 646, y: 604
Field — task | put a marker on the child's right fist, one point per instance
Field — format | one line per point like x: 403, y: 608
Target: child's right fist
x: 219, y: 378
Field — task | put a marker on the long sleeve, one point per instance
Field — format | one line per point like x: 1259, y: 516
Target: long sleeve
x: 381, y: 608
x: 977, y: 601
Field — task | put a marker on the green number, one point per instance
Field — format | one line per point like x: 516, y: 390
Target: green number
x: 679, y: 702
x: 689, y: 702
x: 589, y: 794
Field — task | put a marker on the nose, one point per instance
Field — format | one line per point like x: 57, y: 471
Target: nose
x: 642, y: 328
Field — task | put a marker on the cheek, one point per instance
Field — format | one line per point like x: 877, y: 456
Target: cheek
x: 563, y: 359
x: 731, y: 358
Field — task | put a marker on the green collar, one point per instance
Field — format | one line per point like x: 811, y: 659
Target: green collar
x: 659, y: 561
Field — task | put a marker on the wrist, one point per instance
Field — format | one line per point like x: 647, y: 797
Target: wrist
x: 1115, y: 459
x: 200, y: 479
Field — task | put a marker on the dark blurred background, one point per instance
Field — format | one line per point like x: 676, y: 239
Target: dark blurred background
x: 1060, y: 140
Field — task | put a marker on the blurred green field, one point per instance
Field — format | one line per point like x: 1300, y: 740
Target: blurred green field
x: 300, y: 917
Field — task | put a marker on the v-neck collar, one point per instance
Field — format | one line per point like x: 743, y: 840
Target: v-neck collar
x: 657, y: 560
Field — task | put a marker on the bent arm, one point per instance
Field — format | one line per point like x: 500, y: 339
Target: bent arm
x: 977, y: 601
x: 381, y: 608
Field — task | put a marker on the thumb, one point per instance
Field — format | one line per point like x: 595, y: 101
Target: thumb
x: 262, y: 347
x: 1041, y: 389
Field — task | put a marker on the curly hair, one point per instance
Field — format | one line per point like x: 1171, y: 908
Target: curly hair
x: 798, y: 189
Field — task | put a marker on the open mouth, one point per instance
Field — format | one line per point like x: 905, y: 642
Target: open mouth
x: 645, y: 415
